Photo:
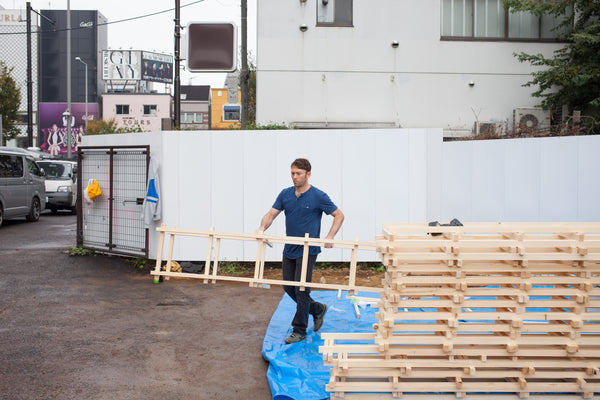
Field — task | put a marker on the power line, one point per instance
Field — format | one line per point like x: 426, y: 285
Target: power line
x: 104, y: 23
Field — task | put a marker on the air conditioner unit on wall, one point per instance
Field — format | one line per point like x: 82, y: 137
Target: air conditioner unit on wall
x: 493, y: 128
x: 531, y: 119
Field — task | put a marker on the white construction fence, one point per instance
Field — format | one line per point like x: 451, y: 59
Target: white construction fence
x: 227, y: 180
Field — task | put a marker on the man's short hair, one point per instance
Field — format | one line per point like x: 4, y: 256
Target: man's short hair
x: 302, y: 163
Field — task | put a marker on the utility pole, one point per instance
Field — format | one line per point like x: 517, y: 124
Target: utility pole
x: 244, y: 72
x: 29, y: 81
x: 68, y: 112
x: 177, y: 78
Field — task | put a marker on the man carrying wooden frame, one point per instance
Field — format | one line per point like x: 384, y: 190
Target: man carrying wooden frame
x: 303, y: 205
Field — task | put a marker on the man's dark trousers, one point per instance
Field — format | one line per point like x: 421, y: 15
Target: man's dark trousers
x: 305, y: 305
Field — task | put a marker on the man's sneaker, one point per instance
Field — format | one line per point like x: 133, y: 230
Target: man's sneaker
x: 319, y: 319
x: 295, y: 338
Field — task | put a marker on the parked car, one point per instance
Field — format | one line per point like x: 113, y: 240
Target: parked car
x: 22, y: 188
x: 61, y: 184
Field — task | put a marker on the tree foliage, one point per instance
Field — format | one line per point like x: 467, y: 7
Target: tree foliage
x: 252, y: 125
x: 10, y: 98
x: 251, y: 92
x: 572, y: 76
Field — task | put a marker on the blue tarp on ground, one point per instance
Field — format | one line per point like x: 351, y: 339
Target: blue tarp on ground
x: 296, y: 371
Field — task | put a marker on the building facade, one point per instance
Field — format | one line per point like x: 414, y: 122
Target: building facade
x: 411, y: 63
x: 89, y: 36
x: 225, y: 114
x: 195, y: 107
x: 144, y: 110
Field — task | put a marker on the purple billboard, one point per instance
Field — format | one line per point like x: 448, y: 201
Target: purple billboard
x: 53, y: 126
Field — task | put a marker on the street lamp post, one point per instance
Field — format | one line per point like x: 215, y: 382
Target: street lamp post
x: 86, y: 89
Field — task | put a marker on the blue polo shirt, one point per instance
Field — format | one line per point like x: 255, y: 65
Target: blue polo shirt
x: 303, y: 215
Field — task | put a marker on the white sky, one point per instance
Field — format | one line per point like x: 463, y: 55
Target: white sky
x: 155, y: 33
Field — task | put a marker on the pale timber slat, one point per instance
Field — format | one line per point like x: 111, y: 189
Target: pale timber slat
x: 350, y: 370
x: 495, y: 227
x: 453, y: 396
x: 270, y: 238
x: 470, y: 387
x: 541, y: 364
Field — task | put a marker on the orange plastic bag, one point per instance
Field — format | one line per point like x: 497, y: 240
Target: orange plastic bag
x: 93, y: 190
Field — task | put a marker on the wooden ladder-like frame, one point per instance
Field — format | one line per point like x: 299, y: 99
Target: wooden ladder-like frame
x: 210, y: 272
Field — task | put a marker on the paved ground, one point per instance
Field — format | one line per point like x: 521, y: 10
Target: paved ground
x: 95, y: 327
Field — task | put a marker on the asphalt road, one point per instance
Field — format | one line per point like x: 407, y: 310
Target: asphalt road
x: 97, y: 327
x: 52, y: 231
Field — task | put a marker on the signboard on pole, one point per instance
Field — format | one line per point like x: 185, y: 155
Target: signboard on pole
x: 210, y: 47
x: 232, y: 82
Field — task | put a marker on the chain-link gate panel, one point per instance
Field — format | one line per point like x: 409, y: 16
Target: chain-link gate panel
x: 113, y: 222
x: 14, y: 47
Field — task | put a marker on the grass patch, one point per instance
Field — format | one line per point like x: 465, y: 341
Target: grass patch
x: 371, y: 266
x: 140, y: 263
x: 79, y: 251
x: 234, y: 268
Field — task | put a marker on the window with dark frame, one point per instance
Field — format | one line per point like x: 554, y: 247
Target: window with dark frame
x: 232, y: 112
x: 489, y: 20
x: 150, y: 109
x: 122, y: 109
x: 334, y: 13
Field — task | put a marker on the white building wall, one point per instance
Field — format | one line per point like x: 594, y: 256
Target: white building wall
x: 229, y: 179
x: 340, y: 76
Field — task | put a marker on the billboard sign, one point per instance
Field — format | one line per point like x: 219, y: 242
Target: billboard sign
x: 53, y: 126
x: 232, y: 82
x: 121, y: 65
x: 157, y: 67
x: 211, y: 47
x: 13, y: 17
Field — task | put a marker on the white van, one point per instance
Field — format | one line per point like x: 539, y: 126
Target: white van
x: 22, y: 189
x: 61, y: 184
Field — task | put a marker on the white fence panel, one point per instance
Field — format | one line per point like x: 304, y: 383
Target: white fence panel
x: 552, y: 179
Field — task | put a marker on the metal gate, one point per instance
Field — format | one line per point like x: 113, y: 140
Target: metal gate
x: 113, y: 223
